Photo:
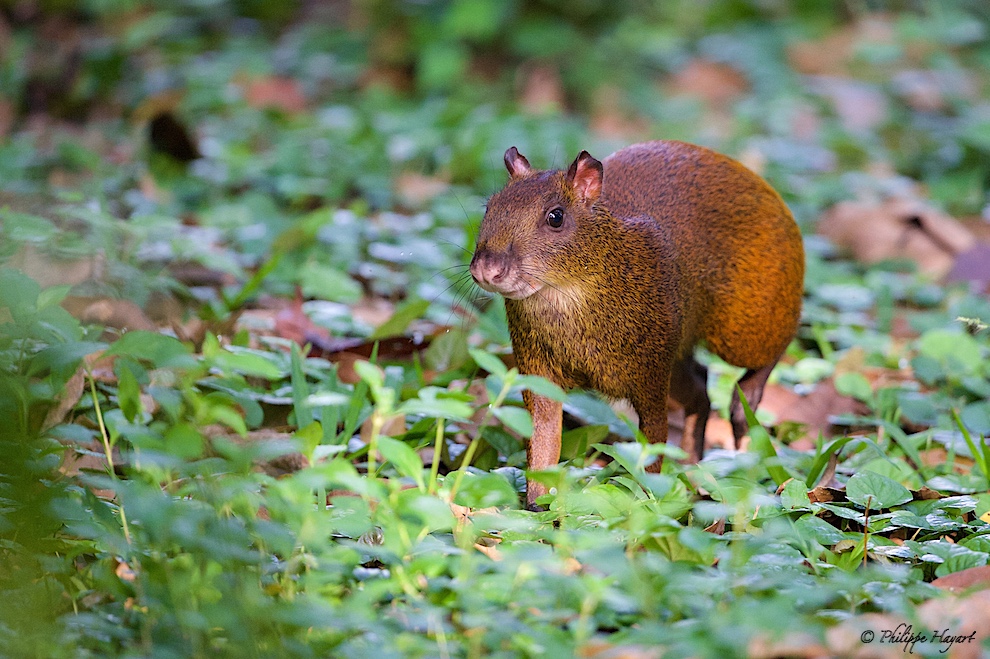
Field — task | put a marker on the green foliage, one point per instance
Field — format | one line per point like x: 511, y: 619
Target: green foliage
x: 397, y: 527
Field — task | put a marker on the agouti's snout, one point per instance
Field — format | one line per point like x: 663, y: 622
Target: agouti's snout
x: 488, y: 269
x: 498, y: 272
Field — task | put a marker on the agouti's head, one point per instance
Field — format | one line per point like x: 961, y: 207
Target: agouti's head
x: 534, y: 228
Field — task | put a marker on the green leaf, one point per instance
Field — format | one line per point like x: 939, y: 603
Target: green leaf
x: 184, y: 441
x: 128, y: 393
x: 486, y: 490
x: 500, y: 440
x: 961, y: 561
x: 63, y: 356
x: 489, y: 362
x: 976, y: 417
x: 794, y: 496
x: 328, y: 283
x: 575, y: 442
x: 310, y: 436
x: 819, y: 529
x: 879, y: 492
x: 18, y: 293
x: 158, y: 349
x: 404, y: 314
x: 958, y: 351
x: 541, y: 387
x: 405, y: 460
x: 516, y: 419
x: 300, y: 389
x: 822, y: 460
x: 759, y: 442
x: 247, y: 362
x: 854, y: 385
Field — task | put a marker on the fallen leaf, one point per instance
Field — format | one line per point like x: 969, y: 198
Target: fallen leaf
x: 811, y: 410
x: 897, y: 228
x: 66, y: 399
x: 860, y: 106
x: 124, y: 572
x: 601, y: 649
x: 109, y: 312
x: 49, y: 270
x: 973, y: 578
x: 611, y: 119
x: 960, y: 616
x: 715, y: 83
x: 541, y: 90
x: 275, y: 92
x: 846, y: 638
x: 415, y: 190
x: 791, y: 644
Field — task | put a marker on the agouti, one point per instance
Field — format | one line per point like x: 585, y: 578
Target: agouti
x: 613, y: 271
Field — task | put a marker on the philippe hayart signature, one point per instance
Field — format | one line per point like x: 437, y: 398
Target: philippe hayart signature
x: 905, y: 635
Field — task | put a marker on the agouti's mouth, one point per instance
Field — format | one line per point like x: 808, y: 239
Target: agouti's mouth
x: 517, y: 289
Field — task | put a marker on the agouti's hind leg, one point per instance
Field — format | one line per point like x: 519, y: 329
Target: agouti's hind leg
x: 751, y: 383
x: 689, y: 387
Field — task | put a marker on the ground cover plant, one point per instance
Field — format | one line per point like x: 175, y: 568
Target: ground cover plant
x: 252, y: 405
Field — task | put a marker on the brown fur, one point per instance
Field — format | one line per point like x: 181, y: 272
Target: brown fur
x: 683, y: 245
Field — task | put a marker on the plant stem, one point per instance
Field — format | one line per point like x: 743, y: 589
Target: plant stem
x: 108, y: 450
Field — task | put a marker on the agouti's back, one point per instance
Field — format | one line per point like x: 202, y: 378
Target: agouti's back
x: 736, y: 244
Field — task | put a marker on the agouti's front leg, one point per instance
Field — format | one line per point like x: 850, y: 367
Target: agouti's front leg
x: 543, y: 450
x: 651, y: 406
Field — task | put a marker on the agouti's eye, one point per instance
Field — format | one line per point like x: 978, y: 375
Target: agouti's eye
x: 555, y: 218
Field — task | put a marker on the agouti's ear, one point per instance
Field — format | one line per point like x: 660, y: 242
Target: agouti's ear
x: 585, y: 176
x: 516, y: 162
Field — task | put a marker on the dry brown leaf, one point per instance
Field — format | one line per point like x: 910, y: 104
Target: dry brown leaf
x: 373, y: 311
x: 715, y: 83
x: 846, y: 638
x: 276, y: 92
x: 601, y: 649
x: 66, y: 399
x: 897, y: 228
x: 109, y: 312
x: 861, y: 107
x: 541, y: 90
x: 50, y: 270
x: 415, y: 190
x: 393, y: 427
x: 836, y: 53
x: 812, y: 410
x: 609, y: 119
x: 794, y: 645
x: 824, y: 494
x: 291, y: 322
x: 124, y: 572
x: 489, y: 547
x: 959, y: 616
x: 973, y: 578
x: 717, y: 527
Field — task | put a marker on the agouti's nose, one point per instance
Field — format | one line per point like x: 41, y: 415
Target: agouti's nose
x: 487, y: 269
